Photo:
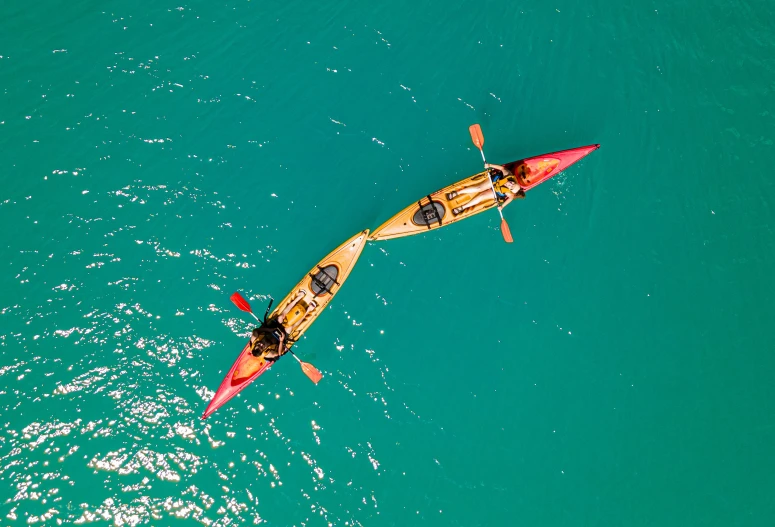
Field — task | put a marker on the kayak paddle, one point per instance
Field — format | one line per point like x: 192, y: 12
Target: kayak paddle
x: 309, y: 370
x: 242, y: 304
x: 478, y: 138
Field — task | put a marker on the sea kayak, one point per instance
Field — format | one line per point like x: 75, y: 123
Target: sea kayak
x: 435, y: 210
x: 319, y: 285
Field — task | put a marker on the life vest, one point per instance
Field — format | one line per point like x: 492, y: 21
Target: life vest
x: 499, y: 184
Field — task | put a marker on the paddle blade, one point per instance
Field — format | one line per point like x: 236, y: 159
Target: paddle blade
x: 476, y: 135
x: 506, y: 231
x: 241, y: 302
x: 311, y: 372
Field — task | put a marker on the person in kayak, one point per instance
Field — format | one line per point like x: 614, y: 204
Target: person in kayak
x: 506, y: 188
x: 269, y: 340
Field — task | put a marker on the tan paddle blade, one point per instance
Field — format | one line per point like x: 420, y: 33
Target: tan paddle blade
x: 311, y: 372
x: 506, y: 231
x: 476, y: 135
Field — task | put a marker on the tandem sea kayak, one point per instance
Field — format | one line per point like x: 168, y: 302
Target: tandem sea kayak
x: 320, y: 284
x: 435, y: 210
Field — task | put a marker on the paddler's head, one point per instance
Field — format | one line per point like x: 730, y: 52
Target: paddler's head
x: 260, y: 343
x: 512, y: 184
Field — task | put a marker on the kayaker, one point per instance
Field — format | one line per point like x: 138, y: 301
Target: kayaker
x: 269, y: 340
x: 506, y: 188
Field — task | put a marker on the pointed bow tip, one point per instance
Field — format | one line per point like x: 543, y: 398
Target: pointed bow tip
x: 210, y: 410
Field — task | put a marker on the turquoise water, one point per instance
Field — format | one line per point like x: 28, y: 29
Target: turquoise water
x: 611, y: 367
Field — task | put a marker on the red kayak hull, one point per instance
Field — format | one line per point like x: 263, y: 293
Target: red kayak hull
x: 248, y: 368
x: 231, y: 386
x: 547, y: 166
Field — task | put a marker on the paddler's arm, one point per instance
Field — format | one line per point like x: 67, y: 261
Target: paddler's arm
x: 506, y: 172
x: 509, y: 197
x: 280, y: 349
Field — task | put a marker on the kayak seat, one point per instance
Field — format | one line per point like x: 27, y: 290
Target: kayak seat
x: 324, y: 279
x: 430, y: 213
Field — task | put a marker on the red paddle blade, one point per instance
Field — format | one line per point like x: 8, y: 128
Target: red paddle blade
x: 311, y: 372
x: 476, y: 135
x: 241, y: 302
x: 506, y: 231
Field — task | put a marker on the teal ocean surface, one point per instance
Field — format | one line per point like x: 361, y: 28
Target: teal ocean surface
x: 611, y: 367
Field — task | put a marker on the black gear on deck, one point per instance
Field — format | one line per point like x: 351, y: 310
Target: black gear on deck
x: 430, y: 213
x: 324, y: 279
